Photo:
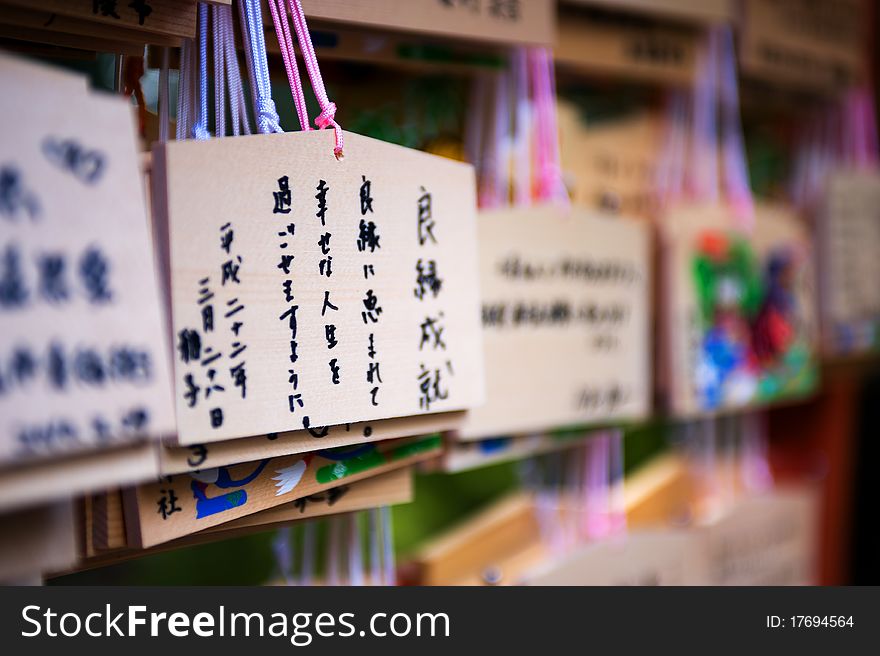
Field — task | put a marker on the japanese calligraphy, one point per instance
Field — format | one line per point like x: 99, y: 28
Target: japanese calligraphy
x: 344, y: 279
x: 564, y: 322
x: 83, y: 345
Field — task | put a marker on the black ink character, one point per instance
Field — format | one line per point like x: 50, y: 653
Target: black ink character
x: 24, y: 365
x: 334, y: 371
x: 368, y: 271
x: 287, y: 288
x: 199, y: 455
x: 142, y: 8
x: 294, y: 400
x: 324, y: 243
x: 226, y: 237
x: 321, y: 196
x: 367, y: 237
x: 284, y: 264
x: 325, y: 266
x: 57, y: 367
x: 373, y: 310
x: 426, y: 219
x: 230, y: 271
x: 52, y: 286
x: 239, y: 378
x: 327, y: 304
x: 101, y: 429
x: 330, y: 335
x: 373, y: 373
x: 168, y: 503
x: 94, y: 269
x: 189, y: 344
x: 208, y: 318
x: 427, y: 279
x: 127, y: 364
x: 290, y: 315
x: 192, y: 391
x: 89, y: 368
x: 105, y: 8
x: 432, y: 333
x: 210, y: 356
x: 13, y: 293
x: 315, y: 431
x: 366, y: 198
x: 213, y: 387
x: 505, y: 9
x: 14, y: 198
x: 216, y: 417
x: 87, y: 166
x: 282, y: 197
x: 205, y: 293
x: 135, y: 420
x: 429, y: 388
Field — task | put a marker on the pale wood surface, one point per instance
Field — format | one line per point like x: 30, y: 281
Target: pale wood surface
x: 611, y: 165
x: 58, y: 478
x: 229, y: 493
x: 848, y: 241
x: 589, y: 368
x: 531, y: 22
x: 179, y: 459
x: 817, y: 46
x: 37, y: 540
x: 691, y: 11
x: 86, y: 219
x: 167, y: 16
x: 219, y: 181
x: 655, y: 53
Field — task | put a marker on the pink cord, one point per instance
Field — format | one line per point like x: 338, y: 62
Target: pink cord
x: 702, y: 175
x: 328, y: 109
x: 288, y: 54
x: 285, y: 42
x: 736, y: 174
x: 550, y: 186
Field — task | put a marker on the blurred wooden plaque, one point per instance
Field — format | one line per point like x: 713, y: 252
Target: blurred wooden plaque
x: 803, y: 43
x: 84, y: 357
x: 565, y: 320
x: 506, y: 21
x: 183, y: 504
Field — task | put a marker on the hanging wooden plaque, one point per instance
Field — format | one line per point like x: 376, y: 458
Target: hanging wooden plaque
x: 308, y: 292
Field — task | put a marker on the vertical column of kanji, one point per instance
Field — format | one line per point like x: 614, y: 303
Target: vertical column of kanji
x: 198, y: 355
x: 367, y: 244
x: 325, y: 270
x: 286, y: 231
x: 427, y: 290
x: 234, y: 309
x: 199, y: 350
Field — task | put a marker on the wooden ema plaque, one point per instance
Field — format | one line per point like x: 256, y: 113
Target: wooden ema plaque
x: 308, y: 291
x: 741, y: 322
x: 565, y: 320
x: 531, y: 22
x: 185, y: 503
x: 848, y: 227
x: 83, y: 348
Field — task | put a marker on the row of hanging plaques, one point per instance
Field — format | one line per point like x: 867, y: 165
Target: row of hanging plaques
x: 288, y: 294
